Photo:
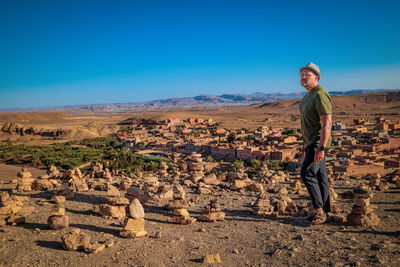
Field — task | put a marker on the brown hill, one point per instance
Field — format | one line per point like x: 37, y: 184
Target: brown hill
x: 32, y: 116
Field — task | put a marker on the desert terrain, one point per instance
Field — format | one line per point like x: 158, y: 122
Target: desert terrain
x: 241, y: 239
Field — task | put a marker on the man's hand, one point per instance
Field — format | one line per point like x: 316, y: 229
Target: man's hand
x: 319, y: 155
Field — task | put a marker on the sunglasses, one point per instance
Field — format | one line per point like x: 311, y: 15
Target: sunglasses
x: 305, y: 74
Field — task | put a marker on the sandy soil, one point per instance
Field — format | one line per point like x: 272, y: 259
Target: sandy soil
x: 243, y: 239
x: 9, y: 172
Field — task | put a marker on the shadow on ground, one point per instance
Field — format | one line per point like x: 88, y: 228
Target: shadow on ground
x: 50, y: 244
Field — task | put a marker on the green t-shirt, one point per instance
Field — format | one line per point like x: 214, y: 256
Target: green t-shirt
x: 314, y: 104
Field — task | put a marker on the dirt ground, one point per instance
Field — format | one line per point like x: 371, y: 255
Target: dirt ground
x: 243, y: 239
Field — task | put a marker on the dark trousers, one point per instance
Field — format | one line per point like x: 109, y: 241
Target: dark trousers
x: 315, y: 178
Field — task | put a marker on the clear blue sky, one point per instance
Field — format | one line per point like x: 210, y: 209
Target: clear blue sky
x: 86, y: 52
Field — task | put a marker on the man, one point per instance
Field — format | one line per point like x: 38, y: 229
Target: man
x: 316, y: 124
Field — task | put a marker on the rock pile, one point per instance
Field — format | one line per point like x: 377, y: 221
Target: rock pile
x: 134, y: 225
x: 277, y: 205
x: 58, y: 220
x: 162, y: 170
x: 239, y: 179
x: 53, y: 172
x: 43, y: 183
x: 12, y: 210
x: 179, y: 206
x: 376, y: 183
x: 195, y: 167
x: 150, y: 184
x: 24, y: 181
x: 115, y: 206
x: 264, y: 174
x: 263, y: 206
x: 74, y: 178
x: 283, y: 205
x: 78, y: 240
x: 212, y: 212
x: 362, y: 212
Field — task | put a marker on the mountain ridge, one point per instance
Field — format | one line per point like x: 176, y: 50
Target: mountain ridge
x: 203, y: 100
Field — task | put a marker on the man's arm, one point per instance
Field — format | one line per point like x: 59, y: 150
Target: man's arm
x: 325, y: 133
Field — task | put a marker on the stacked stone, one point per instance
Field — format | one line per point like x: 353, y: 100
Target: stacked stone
x: 134, y: 225
x: 263, y: 206
x: 283, y: 205
x: 74, y: 178
x: 195, y: 167
x: 179, y: 206
x: 362, y: 212
x: 115, y: 206
x: 54, y: 175
x: 53, y: 172
x: 212, y: 212
x: 264, y: 174
x: 239, y: 179
x: 135, y: 192
x: 24, y: 181
x: 125, y: 184
x: 97, y: 170
x: 58, y: 220
x: 150, y: 184
x: 162, y: 170
x: 12, y: 210
x: 376, y: 183
x: 108, y: 175
x: 175, y: 174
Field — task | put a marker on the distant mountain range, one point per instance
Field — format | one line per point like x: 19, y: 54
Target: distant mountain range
x: 200, y: 101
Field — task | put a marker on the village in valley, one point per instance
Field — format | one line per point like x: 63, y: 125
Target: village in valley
x: 359, y: 149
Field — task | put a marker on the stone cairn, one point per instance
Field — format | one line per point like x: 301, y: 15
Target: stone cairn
x: 179, y: 206
x: 24, y: 181
x: 58, y: 220
x: 264, y: 174
x: 162, y: 170
x: 362, y: 212
x: 175, y: 174
x: 134, y: 225
x: 263, y: 206
x: 75, y: 179
x: 195, y: 167
x: 53, y: 172
x: 43, y: 183
x: 48, y: 181
x: 239, y: 179
x: 12, y: 210
x: 212, y: 212
x: 150, y: 184
x: 376, y: 183
x: 115, y: 206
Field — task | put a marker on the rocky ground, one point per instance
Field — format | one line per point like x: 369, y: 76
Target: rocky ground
x: 242, y: 239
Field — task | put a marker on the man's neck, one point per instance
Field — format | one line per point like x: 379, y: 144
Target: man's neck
x: 311, y: 87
